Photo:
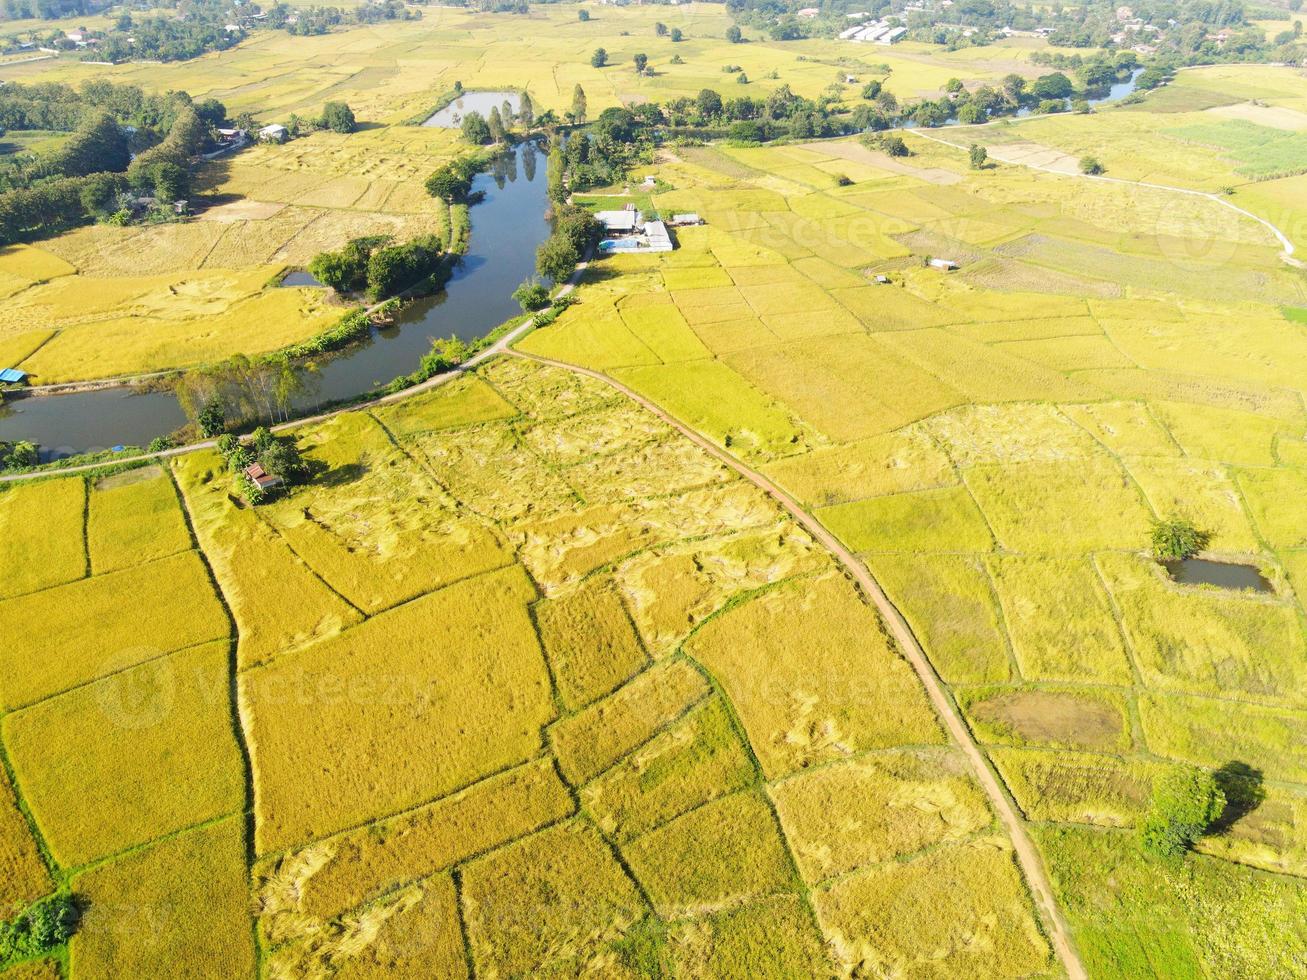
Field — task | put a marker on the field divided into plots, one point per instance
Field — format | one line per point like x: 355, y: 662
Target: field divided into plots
x: 994, y: 443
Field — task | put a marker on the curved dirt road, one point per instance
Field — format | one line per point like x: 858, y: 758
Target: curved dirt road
x: 1032, y: 864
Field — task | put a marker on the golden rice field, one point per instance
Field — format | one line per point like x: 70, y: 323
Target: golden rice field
x: 525, y: 683
x: 994, y: 444
x: 590, y: 706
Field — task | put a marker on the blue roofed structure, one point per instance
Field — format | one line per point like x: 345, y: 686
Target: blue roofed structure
x: 12, y: 376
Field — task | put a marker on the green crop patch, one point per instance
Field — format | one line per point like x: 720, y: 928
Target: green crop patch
x: 1059, y: 620
x: 721, y: 853
x: 412, y: 704
x: 84, y: 635
x: 1132, y: 915
x: 878, y: 808
x: 1060, y: 508
x: 131, y: 757
x: 1200, y: 641
x: 1077, y: 787
x: 467, y: 400
x: 929, y: 520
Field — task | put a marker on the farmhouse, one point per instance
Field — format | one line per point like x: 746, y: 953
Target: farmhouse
x: 627, y: 231
x: 948, y: 265
x: 12, y: 376
x: 261, y: 478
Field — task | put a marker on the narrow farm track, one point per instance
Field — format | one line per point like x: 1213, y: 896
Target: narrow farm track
x: 1032, y: 864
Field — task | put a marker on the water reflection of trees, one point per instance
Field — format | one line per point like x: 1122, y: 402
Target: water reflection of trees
x: 249, y: 390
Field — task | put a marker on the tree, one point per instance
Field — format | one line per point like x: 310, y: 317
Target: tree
x: 599, y: 58
x: 734, y: 35
x: 970, y: 114
x: 583, y: 15
x: 895, y: 147
x: 1185, y: 802
x: 1090, y: 165
x: 660, y: 29
x: 556, y: 258
x: 979, y: 156
x: 709, y: 103
x: 578, y: 104
x: 676, y: 34
x: 495, y: 124
x: 1175, y: 539
x: 171, y: 181
x: 531, y: 296
x: 475, y: 129
x: 1054, y: 86
x: 641, y: 62
x: 953, y: 85
x: 871, y: 90
x: 338, y: 117
x: 212, y: 419
x: 526, y: 111
x: 450, y: 183
x: 281, y: 457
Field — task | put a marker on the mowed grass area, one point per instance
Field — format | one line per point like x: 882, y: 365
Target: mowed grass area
x: 994, y: 443
x: 585, y: 744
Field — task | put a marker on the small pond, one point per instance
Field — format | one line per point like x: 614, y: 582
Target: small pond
x: 452, y: 115
x: 1226, y: 575
x: 301, y: 278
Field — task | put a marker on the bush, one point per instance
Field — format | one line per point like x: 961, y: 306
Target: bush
x: 979, y: 156
x: 18, y: 455
x: 1185, y: 803
x: 1091, y: 166
x: 1176, y: 539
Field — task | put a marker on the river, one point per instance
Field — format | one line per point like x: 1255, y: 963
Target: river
x: 508, y: 223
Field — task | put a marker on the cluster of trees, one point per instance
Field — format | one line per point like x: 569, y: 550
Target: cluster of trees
x: 575, y: 232
x: 495, y: 126
x: 376, y: 264
x: 452, y: 182
x: 280, y: 457
x: 87, y: 176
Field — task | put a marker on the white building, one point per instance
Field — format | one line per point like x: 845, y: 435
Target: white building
x: 274, y: 133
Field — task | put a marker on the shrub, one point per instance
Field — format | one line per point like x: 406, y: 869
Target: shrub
x: 979, y: 156
x: 1090, y: 165
x: 19, y: 455
x: 734, y: 35
x: 599, y: 58
x: 1185, y: 802
x: 1175, y: 539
